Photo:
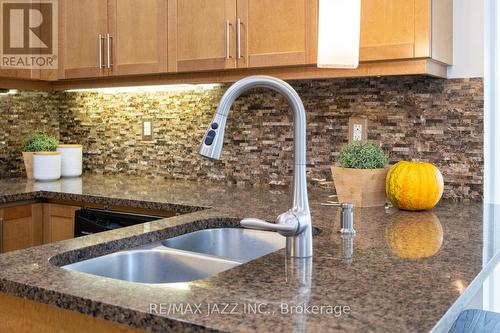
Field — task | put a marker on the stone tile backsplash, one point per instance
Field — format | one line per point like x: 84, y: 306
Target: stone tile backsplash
x: 21, y: 114
x: 414, y: 118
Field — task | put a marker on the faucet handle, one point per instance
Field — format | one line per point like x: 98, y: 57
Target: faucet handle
x: 286, y: 229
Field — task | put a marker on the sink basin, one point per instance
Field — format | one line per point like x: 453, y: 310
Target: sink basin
x: 184, y: 258
x: 153, y: 266
x: 233, y: 243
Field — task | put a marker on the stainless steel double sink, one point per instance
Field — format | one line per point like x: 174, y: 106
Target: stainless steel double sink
x: 184, y: 258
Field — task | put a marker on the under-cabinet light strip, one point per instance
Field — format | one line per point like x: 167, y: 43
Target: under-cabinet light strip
x: 9, y: 92
x: 147, y: 89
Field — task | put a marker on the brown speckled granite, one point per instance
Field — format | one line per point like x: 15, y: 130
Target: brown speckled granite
x: 385, y: 293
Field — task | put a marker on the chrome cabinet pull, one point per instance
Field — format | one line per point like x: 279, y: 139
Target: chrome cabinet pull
x: 99, y: 51
x: 108, y: 50
x: 238, y: 38
x: 228, y: 39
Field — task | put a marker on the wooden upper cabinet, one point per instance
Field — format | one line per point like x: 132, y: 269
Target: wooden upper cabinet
x: 138, y: 30
x: 21, y: 227
x: 26, y: 73
x: 277, y: 32
x: 405, y: 29
x: 387, y: 29
x: 159, y: 36
x: 112, y: 37
x: 224, y: 34
x: 9, y: 72
x: 81, y: 24
x: 201, y: 35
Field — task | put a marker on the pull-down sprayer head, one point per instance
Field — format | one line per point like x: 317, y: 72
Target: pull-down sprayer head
x: 213, y: 140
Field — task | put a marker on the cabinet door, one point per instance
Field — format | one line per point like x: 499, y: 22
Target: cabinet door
x: 21, y: 227
x: 58, y: 222
x: 81, y: 23
x: 138, y: 31
x: 394, y: 29
x: 277, y: 32
x: 201, y: 35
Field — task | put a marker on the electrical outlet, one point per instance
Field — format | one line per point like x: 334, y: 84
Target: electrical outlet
x: 358, y: 129
x: 147, y: 130
x: 357, y: 133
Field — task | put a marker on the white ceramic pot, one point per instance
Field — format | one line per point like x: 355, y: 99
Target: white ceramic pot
x: 47, y: 166
x: 71, y: 160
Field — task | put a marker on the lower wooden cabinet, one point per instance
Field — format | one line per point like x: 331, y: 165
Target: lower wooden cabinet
x: 26, y: 225
x: 21, y: 227
x: 44, y: 318
x: 58, y: 222
x: 35, y: 224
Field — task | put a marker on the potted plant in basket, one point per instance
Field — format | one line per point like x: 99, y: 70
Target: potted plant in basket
x: 36, y: 143
x: 360, y: 178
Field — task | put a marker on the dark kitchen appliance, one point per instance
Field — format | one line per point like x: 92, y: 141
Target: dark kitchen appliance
x: 92, y: 221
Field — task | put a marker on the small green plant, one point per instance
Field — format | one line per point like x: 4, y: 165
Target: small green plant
x: 362, y: 155
x: 39, y: 142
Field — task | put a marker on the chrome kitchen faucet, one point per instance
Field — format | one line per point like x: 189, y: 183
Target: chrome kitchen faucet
x: 296, y: 223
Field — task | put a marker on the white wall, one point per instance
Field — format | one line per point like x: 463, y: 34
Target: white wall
x: 492, y: 104
x: 468, y: 39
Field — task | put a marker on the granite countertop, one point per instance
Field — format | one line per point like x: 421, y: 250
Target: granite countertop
x: 399, y: 278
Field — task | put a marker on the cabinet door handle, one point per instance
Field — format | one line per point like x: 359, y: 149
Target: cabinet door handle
x: 1, y: 235
x: 228, y: 39
x: 99, y: 51
x: 238, y: 38
x: 109, y: 39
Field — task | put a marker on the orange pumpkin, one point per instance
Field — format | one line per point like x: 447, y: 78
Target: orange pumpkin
x: 414, y: 185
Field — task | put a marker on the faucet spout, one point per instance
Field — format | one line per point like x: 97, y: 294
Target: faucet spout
x: 299, y: 242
